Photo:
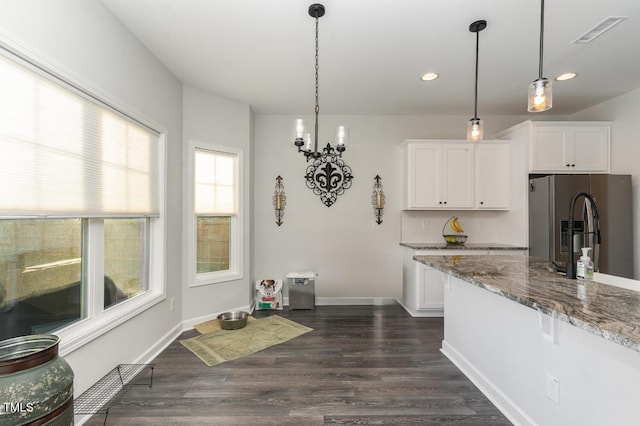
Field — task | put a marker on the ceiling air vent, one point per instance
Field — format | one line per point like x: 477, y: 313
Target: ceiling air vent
x: 599, y: 29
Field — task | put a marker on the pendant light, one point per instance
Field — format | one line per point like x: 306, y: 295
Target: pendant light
x: 540, y: 95
x: 303, y: 140
x: 474, y: 126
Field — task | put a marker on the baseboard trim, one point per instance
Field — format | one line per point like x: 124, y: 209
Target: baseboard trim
x: 507, y: 406
x: 417, y: 313
x: 345, y: 301
x: 375, y: 301
x: 188, y: 324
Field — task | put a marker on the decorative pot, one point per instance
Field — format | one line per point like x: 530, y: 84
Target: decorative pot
x: 36, y: 385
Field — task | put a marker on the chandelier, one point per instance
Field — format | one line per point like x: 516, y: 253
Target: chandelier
x: 306, y: 144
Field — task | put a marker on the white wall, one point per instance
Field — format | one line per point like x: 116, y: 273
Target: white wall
x: 216, y: 120
x: 82, y: 39
x: 624, y: 112
x: 354, y: 257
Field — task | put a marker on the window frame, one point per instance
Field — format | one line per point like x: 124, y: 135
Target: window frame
x: 235, y: 233
x: 100, y: 320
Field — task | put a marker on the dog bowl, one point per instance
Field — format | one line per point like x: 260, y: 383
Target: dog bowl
x: 233, y: 320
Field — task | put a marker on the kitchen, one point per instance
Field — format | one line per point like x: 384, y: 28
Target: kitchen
x: 356, y: 259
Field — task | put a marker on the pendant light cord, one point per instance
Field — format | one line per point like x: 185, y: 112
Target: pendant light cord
x: 541, y: 37
x: 475, y: 104
x: 317, y: 88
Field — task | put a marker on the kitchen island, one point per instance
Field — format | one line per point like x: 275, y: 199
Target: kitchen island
x: 546, y: 350
x: 422, y: 285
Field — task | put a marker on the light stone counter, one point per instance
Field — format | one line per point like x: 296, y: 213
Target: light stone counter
x: 601, y: 309
x: 466, y: 246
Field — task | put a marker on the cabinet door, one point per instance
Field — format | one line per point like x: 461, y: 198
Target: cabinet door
x: 424, y: 176
x: 493, y: 171
x: 549, y: 150
x: 431, y: 289
x: 458, y: 160
x: 590, y: 148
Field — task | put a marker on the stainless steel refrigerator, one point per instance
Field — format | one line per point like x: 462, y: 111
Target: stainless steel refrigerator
x: 549, y: 199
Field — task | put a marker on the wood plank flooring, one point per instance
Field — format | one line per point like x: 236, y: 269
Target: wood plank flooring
x: 362, y: 365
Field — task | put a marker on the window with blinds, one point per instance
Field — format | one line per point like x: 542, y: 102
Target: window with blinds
x: 80, y: 207
x: 215, y: 208
x: 64, y: 154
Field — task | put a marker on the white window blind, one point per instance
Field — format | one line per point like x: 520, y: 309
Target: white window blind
x: 215, y: 183
x: 64, y: 154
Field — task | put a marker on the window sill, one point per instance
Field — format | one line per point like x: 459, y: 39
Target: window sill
x: 78, y: 335
x: 216, y: 279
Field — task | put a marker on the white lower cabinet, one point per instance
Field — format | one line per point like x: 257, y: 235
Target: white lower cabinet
x: 423, y: 287
x: 430, y: 288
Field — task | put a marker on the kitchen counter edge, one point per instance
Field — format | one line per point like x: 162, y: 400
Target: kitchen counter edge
x: 607, y: 311
x: 468, y: 246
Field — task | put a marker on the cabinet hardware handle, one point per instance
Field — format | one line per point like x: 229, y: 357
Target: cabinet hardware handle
x: 573, y: 165
x: 439, y: 202
x: 568, y: 165
x: 445, y: 202
x: 481, y: 202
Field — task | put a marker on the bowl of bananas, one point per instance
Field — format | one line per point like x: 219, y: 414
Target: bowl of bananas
x: 455, y: 239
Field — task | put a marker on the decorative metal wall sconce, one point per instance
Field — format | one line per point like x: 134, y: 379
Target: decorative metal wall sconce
x: 377, y: 199
x: 328, y: 176
x: 279, y: 200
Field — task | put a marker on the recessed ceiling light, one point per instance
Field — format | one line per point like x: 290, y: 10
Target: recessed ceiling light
x: 429, y: 76
x: 566, y: 76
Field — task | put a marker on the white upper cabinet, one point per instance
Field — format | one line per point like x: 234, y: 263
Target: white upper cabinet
x: 438, y: 175
x: 493, y: 175
x: 569, y: 147
x: 456, y: 175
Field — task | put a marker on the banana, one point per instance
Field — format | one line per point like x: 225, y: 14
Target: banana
x: 456, y: 226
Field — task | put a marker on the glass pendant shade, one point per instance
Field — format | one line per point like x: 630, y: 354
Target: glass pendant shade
x: 342, y: 136
x: 474, y: 129
x: 308, y: 142
x: 540, y: 95
x: 298, y: 132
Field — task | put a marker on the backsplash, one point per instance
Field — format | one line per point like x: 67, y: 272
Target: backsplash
x: 479, y: 226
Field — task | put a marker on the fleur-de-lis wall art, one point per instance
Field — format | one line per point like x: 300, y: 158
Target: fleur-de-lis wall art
x: 377, y: 199
x: 329, y: 176
x: 279, y: 200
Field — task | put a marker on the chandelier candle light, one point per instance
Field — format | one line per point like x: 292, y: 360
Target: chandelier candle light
x: 474, y: 126
x: 302, y: 139
x: 540, y: 95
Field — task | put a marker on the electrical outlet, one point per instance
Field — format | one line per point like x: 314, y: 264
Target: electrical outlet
x: 425, y: 225
x: 172, y: 303
x: 553, y: 389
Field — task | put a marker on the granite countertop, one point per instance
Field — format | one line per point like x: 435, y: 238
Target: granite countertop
x: 466, y: 246
x: 607, y: 311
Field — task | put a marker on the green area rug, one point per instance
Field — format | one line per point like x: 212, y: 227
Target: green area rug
x: 224, y: 345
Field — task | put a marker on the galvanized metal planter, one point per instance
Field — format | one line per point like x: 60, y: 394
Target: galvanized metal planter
x: 36, y: 385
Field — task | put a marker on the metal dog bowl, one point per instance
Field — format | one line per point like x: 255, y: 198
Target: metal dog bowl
x: 233, y: 320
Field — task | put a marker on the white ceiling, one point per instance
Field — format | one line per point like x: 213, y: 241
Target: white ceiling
x: 372, y: 53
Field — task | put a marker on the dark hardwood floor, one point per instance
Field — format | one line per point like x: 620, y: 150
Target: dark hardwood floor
x: 362, y: 365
